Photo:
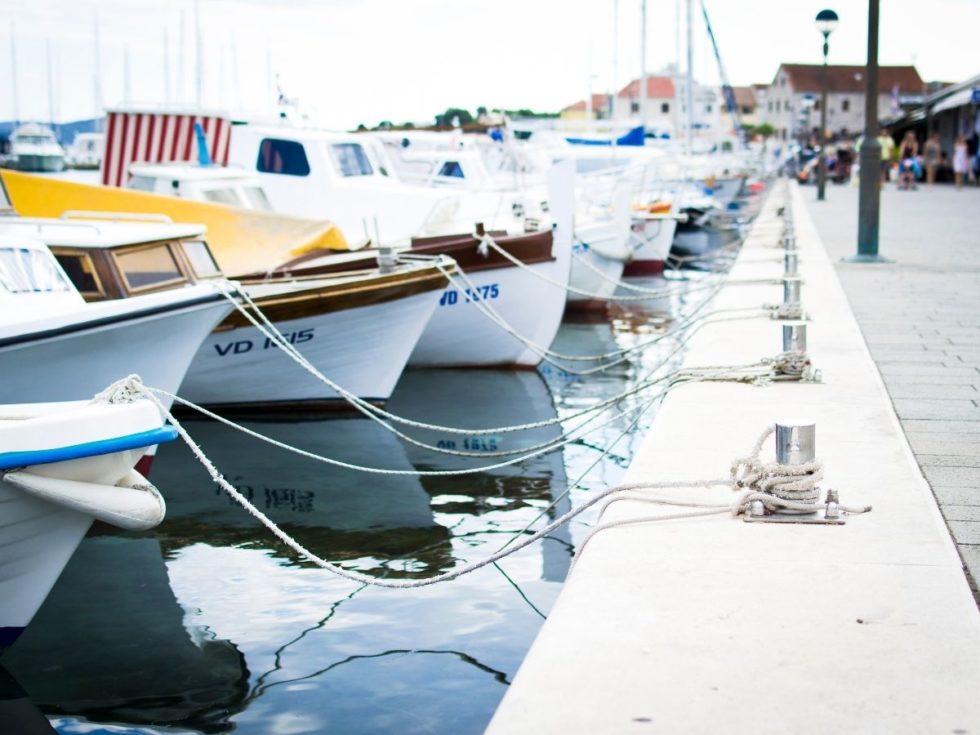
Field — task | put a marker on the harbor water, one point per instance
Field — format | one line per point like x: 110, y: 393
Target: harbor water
x: 207, y: 624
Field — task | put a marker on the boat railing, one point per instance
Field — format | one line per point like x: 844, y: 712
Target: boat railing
x: 74, y: 214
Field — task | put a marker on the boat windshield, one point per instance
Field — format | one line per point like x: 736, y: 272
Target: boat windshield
x: 27, y: 270
x: 224, y: 195
x: 257, y: 199
x: 35, y: 139
x: 351, y: 159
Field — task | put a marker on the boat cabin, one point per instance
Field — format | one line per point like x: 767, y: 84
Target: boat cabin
x: 339, y: 176
x: 118, y: 258
x: 218, y: 184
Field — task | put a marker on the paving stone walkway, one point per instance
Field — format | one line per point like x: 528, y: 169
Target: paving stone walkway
x: 921, y: 319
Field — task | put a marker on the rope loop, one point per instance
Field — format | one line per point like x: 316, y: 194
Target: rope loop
x: 775, y: 482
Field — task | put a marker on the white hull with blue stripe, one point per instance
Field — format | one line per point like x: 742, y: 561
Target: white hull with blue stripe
x: 63, y: 465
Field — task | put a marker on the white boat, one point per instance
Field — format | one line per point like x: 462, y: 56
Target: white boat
x: 652, y: 236
x: 600, y: 252
x: 317, y: 173
x: 55, y: 346
x: 357, y: 329
x: 86, y: 151
x: 63, y: 465
x: 228, y: 185
x: 33, y: 147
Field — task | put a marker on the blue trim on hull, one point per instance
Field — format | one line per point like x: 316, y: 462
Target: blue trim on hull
x: 10, y: 460
x: 8, y: 636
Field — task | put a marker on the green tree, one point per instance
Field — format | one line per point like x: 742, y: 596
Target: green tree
x: 446, y: 118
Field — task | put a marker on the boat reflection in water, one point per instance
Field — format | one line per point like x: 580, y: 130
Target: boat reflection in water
x: 477, y: 399
x: 215, y: 626
x: 109, y: 644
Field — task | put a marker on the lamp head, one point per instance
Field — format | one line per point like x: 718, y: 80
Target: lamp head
x: 826, y: 22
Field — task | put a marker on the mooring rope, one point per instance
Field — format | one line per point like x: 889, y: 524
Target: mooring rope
x: 130, y: 389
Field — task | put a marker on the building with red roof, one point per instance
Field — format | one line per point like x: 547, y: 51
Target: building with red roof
x: 792, y: 103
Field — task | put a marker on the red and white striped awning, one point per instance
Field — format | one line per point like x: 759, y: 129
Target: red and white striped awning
x: 159, y: 137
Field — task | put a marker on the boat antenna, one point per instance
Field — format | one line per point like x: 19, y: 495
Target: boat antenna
x: 13, y: 73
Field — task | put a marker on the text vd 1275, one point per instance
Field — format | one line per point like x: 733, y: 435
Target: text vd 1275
x: 481, y: 293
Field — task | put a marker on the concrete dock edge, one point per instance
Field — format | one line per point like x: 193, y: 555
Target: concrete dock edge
x: 717, y: 625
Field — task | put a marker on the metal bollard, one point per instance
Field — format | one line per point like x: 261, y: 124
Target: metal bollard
x: 791, y: 263
x: 794, y: 336
x: 796, y: 443
x: 791, y: 289
x: 387, y: 260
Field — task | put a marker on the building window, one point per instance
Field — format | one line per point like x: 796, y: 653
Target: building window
x: 707, y: 108
x: 845, y: 105
x: 770, y: 105
x: 665, y: 107
x: 278, y: 156
x: 816, y: 105
x: 746, y: 110
x: 634, y: 107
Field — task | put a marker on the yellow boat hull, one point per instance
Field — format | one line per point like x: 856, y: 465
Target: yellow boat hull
x: 242, y: 240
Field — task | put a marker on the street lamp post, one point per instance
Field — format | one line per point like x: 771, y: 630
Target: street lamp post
x: 826, y: 23
x: 869, y: 201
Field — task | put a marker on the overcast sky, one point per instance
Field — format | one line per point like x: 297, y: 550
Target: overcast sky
x: 351, y: 61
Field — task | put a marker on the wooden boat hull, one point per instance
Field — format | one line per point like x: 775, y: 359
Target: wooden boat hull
x: 459, y: 334
x: 357, y: 332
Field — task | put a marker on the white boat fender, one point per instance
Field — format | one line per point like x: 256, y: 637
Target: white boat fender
x: 132, y: 504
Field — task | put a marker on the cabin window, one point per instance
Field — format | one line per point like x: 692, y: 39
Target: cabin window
x: 148, y: 266
x: 25, y: 270
x: 142, y: 183
x: 222, y: 196
x: 81, y: 271
x: 277, y: 156
x: 199, y: 255
x: 452, y: 169
x: 351, y: 159
x: 256, y: 198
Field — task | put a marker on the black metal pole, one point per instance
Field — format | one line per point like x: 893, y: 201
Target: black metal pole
x: 822, y: 160
x: 869, y: 202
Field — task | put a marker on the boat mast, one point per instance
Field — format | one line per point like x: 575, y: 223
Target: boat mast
x: 166, y: 64
x: 127, y: 89
x: 199, y: 46
x: 13, y: 73
x: 677, y: 70
x: 47, y: 49
x: 97, y: 66
x: 615, y: 61
x: 643, y: 65
x: 690, y: 77
x: 180, y: 58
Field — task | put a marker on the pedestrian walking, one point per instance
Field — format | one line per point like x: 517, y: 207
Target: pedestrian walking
x: 933, y: 152
x: 887, y: 144
x: 961, y: 161
x: 906, y: 161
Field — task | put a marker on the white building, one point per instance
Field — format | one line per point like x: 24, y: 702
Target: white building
x: 792, y: 102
